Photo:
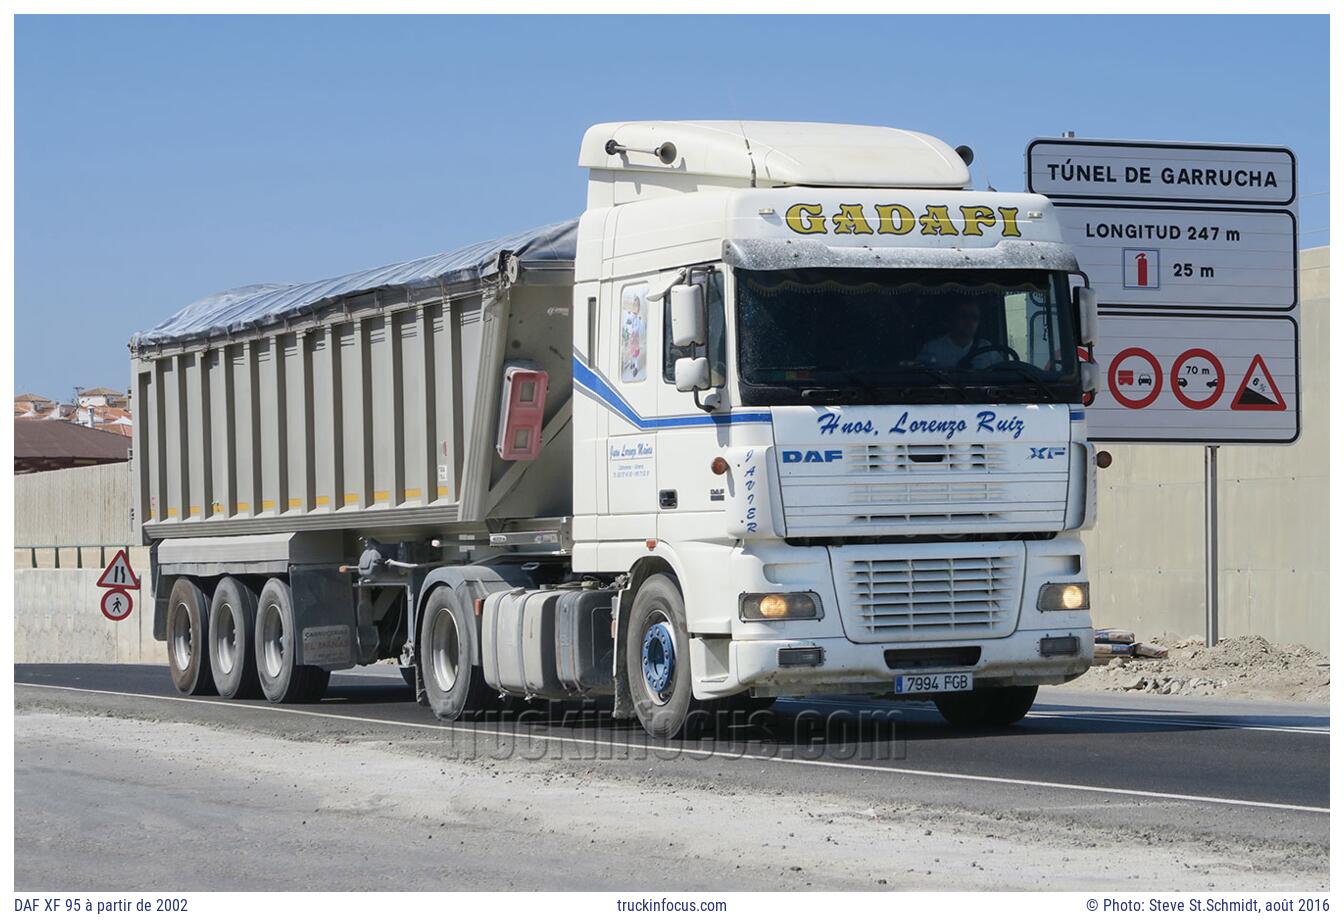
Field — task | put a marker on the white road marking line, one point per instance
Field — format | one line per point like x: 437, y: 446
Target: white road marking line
x: 872, y: 768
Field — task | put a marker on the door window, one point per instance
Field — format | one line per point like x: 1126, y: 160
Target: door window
x: 634, y: 333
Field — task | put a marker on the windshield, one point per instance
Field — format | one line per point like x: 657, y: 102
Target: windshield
x: 905, y: 336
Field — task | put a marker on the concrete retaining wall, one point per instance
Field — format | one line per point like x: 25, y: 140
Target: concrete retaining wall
x: 56, y: 617
x: 87, y: 505
x: 85, y: 512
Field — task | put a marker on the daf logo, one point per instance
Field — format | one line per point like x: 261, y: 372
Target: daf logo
x: 1046, y: 453
x: 812, y: 456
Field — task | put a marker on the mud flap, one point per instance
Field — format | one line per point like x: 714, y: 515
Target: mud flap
x: 324, y: 617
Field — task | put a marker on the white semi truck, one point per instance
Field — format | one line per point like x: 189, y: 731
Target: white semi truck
x: 788, y: 410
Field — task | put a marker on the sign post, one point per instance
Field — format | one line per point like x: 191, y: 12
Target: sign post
x: 1192, y: 250
x: 1211, y: 545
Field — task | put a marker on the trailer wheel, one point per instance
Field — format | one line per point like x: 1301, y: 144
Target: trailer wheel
x: 986, y: 707
x: 188, y: 630
x: 454, y: 686
x: 233, y: 618
x: 283, y: 681
x: 657, y: 658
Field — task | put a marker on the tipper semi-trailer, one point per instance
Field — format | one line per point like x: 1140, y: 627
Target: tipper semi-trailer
x: 789, y: 409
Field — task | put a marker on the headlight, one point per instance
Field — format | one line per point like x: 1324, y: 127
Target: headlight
x: 1073, y: 596
x: 781, y: 607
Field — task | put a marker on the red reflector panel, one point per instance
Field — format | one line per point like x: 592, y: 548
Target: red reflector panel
x: 521, y: 413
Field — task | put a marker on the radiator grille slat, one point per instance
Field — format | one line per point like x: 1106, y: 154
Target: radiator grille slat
x: 931, y: 598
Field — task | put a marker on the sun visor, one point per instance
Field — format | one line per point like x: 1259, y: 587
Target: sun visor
x: 773, y: 255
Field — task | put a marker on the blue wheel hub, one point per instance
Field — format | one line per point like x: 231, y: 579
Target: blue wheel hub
x: 659, y: 659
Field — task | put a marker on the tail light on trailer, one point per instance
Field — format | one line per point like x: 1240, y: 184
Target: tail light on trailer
x: 522, y: 402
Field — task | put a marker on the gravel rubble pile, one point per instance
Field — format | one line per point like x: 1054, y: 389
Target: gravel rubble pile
x: 1242, y: 667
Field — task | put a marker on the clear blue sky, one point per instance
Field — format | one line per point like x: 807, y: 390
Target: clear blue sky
x: 160, y: 159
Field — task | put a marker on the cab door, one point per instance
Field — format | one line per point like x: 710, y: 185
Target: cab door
x: 689, y: 437
x: 628, y: 388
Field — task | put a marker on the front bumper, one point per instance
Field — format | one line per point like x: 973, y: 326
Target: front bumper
x: 848, y: 667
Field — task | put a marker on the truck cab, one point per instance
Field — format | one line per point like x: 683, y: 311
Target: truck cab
x: 829, y: 433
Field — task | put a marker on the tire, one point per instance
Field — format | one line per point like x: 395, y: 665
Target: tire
x: 283, y: 681
x: 233, y: 661
x: 991, y: 707
x: 657, y: 661
x: 188, y: 628
x: 454, y: 687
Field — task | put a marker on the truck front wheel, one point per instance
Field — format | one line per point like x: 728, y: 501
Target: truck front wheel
x: 454, y: 687
x: 188, y: 630
x: 987, y: 707
x: 658, y: 660
x: 282, y: 680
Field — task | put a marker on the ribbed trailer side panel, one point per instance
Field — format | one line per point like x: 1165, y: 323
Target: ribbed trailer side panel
x: 363, y: 415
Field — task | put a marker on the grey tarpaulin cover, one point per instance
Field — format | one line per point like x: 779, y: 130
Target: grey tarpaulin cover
x: 262, y: 304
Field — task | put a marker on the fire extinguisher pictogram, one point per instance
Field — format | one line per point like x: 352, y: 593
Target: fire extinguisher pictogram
x: 1141, y: 269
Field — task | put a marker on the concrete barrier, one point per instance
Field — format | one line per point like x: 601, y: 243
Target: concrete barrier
x: 57, y: 617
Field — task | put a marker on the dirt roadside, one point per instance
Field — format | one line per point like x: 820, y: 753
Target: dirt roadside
x: 366, y: 812
x: 1242, y: 667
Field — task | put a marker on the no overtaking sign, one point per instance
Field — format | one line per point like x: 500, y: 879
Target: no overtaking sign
x: 1192, y: 249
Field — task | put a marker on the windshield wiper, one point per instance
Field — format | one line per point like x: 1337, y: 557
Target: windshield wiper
x: 947, y: 380
x: 853, y: 384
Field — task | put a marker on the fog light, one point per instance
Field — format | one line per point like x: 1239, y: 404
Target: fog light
x: 780, y: 607
x: 800, y: 657
x: 1059, y: 645
x: 1073, y: 596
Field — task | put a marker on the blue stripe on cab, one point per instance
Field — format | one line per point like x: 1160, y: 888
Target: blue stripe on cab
x: 591, y: 383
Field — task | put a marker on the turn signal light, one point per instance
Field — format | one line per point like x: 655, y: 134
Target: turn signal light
x: 718, y: 466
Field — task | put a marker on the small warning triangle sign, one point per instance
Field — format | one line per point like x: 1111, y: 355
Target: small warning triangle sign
x: 1258, y: 389
x: 119, y: 573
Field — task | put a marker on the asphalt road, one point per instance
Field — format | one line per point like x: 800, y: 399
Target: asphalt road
x: 1200, y: 775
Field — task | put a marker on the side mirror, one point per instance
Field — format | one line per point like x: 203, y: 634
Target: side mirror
x: 688, y: 315
x: 691, y: 374
x: 1085, y: 305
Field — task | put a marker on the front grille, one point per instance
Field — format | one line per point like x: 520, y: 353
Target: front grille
x: 932, y: 598
x: 926, y: 458
x: 927, y: 493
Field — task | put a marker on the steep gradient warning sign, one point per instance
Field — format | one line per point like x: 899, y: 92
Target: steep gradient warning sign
x: 1192, y: 379
x: 1258, y: 391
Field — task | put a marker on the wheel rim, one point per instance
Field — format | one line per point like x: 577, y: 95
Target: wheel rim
x: 443, y: 652
x: 181, y: 644
x: 658, y: 659
x: 226, y: 640
x: 272, y: 629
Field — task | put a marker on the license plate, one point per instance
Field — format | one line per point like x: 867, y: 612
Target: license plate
x: 934, y: 683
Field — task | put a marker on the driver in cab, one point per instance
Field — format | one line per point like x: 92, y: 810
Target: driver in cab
x: 960, y: 341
